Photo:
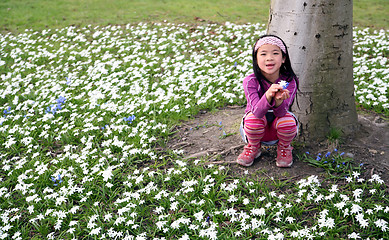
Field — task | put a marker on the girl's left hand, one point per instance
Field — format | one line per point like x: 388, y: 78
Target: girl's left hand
x: 282, y: 94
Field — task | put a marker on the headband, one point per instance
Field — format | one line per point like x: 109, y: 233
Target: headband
x: 272, y: 41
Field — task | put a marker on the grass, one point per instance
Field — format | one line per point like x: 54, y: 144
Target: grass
x: 367, y: 13
x: 58, y: 14
x: 17, y: 15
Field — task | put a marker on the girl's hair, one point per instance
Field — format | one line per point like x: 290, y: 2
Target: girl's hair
x: 286, y: 68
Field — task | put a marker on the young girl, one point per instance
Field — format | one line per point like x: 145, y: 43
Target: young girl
x: 269, y: 91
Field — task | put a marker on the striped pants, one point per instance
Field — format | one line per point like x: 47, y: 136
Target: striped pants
x: 283, y: 129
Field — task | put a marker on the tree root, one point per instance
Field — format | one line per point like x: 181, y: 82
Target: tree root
x: 202, y: 153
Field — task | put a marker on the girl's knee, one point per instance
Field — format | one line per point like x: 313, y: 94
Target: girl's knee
x: 286, y: 123
x: 250, y: 118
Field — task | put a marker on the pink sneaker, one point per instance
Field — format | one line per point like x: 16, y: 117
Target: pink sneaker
x: 284, y: 156
x: 246, y: 158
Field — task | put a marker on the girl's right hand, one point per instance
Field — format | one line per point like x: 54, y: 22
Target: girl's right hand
x: 271, y: 92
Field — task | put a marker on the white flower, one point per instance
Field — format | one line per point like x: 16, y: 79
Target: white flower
x: 289, y: 219
x: 334, y: 188
x: 107, y: 173
x: 258, y: 212
x: 95, y: 231
x: 199, y: 215
x: 184, y: 237
x: 356, y: 208
x: 357, y: 192
x: 354, y: 235
x: 284, y: 84
x: 232, y: 198
x: 382, y: 224
x: 356, y: 174
x: 159, y: 210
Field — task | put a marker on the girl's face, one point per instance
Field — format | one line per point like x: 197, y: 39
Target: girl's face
x: 269, y: 60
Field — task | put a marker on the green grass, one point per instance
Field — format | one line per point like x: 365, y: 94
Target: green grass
x: 17, y: 15
x: 371, y: 13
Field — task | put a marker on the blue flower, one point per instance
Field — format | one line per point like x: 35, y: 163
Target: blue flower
x: 341, y: 154
x: 55, y: 180
x: 235, y: 64
x: 129, y: 119
x: 328, y: 154
x: 318, y: 158
x: 307, y: 153
x: 7, y: 111
x: 53, y: 108
x: 61, y: 100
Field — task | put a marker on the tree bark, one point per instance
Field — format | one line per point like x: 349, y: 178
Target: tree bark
x: 318, y: 34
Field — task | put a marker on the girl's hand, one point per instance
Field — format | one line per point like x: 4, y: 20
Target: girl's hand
x: 281, y: 96
x: 273, y: 91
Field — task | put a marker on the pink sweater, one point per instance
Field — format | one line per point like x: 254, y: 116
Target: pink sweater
x: 256, y: 99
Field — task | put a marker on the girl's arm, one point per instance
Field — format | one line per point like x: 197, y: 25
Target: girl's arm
x: 258, y: 104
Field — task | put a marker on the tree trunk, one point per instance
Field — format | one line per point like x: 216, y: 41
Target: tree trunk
x: 318, y: 34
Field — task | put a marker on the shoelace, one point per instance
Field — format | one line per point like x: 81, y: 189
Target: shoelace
x: 248, y: 151
x: 283, y: 152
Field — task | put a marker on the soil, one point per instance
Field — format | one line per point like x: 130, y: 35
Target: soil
x: 215, y: 136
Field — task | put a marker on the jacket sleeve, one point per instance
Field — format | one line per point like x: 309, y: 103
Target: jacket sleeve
x: 281, y: 110
x: 257, y: 104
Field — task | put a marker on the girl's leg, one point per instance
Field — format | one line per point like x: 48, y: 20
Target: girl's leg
x: 286, y: 130
x: 286, y: 127
x: 254, y: 129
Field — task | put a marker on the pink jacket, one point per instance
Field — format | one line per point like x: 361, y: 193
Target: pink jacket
x: 256, y: 100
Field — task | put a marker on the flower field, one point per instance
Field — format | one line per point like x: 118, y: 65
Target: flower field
x: 85, y: 111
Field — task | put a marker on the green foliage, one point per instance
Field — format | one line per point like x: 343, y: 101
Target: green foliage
x: 334, y: 136
x: 17, y: 15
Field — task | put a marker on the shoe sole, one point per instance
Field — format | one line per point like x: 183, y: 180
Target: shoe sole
x: 248, y: 164
x: 284, y: 166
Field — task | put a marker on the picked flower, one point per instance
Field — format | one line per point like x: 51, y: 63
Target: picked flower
x: 284, y: 84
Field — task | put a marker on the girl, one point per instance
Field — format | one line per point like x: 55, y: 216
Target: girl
x: 269, y: 91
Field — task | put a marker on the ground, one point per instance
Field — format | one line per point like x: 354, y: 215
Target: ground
x: 215, y: 136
